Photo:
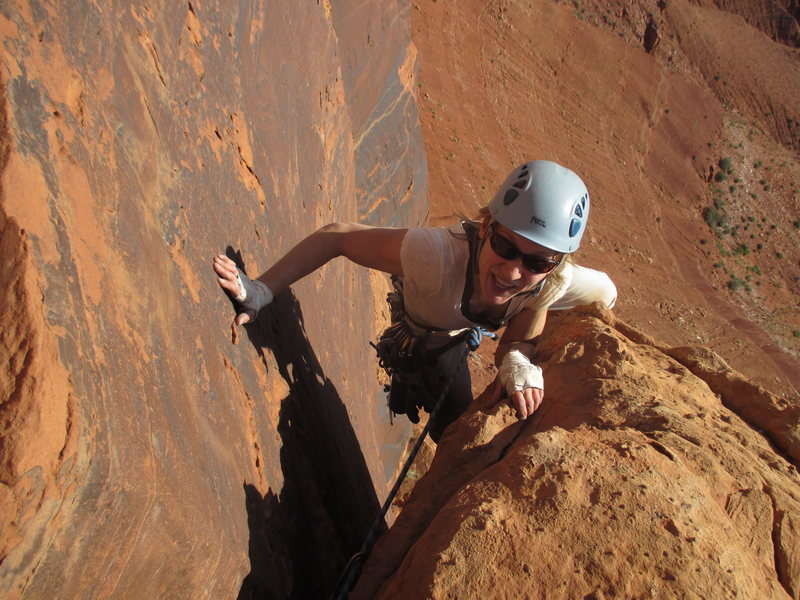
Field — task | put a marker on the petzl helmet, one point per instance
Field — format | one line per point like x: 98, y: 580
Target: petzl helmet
x: 545, y: 203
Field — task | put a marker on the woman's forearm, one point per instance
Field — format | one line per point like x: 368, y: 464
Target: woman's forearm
x: 371, y: 247
x: 526, y: 348
x: 307, y: 256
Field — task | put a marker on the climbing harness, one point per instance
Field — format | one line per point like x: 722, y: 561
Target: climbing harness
x: 350, y: 575
x: 409, y: 358
x: 402, y: 343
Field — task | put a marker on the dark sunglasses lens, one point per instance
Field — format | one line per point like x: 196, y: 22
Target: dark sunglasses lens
x: 538, y: 265
x: 508, y: 251
x: 503, y: 248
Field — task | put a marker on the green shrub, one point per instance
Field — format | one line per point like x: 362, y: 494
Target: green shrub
x: 713, y: 217
x: 735, y: 283
x: 725, y: 164
x: 720, y: 176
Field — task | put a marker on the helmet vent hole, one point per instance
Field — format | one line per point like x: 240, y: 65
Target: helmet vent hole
x: 579, y: 211
x: 510, y: 196
x: 521, y: 184
x: 574, y: 227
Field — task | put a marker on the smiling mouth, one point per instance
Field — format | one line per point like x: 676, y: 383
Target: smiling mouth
x: 503, y: 285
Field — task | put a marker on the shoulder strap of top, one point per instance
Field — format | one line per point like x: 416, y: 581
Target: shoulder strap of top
x: 474, y: 240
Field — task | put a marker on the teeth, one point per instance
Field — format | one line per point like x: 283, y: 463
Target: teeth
x: 502, y: 284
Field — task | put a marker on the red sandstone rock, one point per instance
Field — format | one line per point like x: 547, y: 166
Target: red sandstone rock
x: 632, y: 481
x: 143, y: 453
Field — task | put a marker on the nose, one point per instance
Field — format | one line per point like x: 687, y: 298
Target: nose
x: 512, y: 269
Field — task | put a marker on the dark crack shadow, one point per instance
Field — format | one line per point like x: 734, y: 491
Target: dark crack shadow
x: 301, y: 540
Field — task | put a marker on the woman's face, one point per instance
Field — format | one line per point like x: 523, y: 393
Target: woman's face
x: 500, y: 279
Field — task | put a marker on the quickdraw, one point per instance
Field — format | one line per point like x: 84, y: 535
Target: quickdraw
x: 399, y: 347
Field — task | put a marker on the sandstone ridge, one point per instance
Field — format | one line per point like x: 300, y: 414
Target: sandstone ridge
x: 640, y: 477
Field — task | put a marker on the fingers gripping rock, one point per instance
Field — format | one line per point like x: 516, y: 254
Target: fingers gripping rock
x: 517, y: 373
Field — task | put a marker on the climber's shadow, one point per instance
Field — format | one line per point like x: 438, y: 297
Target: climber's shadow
x: 301, y: 540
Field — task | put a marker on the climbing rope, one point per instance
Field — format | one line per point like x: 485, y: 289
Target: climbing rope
x: 350, y: 575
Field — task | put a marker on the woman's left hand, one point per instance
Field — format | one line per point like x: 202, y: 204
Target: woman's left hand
x: 525, y: 402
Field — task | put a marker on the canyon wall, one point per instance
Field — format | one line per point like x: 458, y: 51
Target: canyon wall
x: 148, y: 450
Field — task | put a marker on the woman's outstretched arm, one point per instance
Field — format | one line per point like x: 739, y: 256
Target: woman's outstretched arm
x: 373, y: 247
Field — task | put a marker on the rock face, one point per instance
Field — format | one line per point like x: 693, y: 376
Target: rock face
x: 635, y: 480
x: 148, y: 451
x: 145, y: 453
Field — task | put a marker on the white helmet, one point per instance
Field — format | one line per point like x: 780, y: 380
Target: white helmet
x: 544, y: 202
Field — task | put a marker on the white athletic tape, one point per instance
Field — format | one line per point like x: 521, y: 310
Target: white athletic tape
x: 518, y: 373
x: 243, y: 293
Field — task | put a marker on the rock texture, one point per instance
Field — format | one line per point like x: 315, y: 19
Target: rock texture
x: 640, y: 477
x: 147, y: 451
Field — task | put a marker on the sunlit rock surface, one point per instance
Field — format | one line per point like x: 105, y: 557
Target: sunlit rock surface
x: 147, y: 450
x: 643, y: 475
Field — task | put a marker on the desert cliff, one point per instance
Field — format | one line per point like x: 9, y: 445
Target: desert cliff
x: 147, y: 449
x: 641, y: 477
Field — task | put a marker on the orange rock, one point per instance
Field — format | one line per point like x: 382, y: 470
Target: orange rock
x: 632, y: 480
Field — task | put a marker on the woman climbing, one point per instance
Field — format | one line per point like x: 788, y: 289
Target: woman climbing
x: 505, y: 269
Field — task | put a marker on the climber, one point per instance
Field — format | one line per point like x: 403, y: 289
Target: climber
x: 506, y: 268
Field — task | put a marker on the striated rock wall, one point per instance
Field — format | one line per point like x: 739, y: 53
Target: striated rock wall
x: 634, y: 480
x: 147, y: 450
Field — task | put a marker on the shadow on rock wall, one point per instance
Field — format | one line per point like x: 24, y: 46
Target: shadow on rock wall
x: 301, y: 539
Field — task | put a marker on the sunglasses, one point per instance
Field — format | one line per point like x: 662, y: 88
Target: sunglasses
x: 508, y: 251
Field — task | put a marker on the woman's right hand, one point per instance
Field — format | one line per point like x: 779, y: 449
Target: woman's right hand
x: 228, y: 280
